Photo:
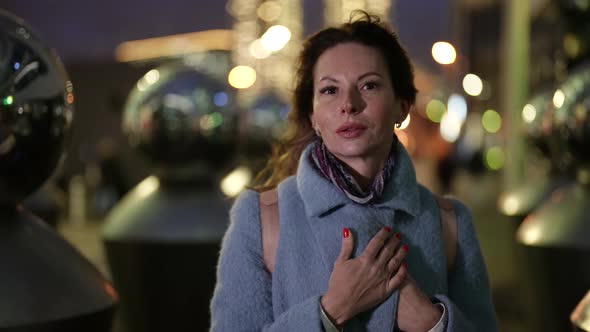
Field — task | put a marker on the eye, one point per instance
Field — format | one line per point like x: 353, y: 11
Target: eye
x: 329, y: 90
x: 370, y: 86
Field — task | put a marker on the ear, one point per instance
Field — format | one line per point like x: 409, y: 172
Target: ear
x: 312, y: 120
x: 405, y: 107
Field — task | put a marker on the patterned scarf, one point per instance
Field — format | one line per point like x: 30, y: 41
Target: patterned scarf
x: 327, y: 165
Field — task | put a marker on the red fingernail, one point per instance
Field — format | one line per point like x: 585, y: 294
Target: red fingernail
x: 405, y: 247
x: 345, y: 232
x: 399, y: 236
x: 387, y: 229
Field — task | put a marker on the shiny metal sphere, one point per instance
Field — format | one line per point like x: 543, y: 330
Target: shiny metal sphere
x: 571, y: 120
x: 182, y: 120
x: 36, y: 105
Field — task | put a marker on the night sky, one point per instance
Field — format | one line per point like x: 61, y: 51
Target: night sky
x: 84, y: 31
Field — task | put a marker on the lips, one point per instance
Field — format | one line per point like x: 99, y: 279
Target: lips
x: 351, y: 130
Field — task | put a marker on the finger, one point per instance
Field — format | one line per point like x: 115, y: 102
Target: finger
x: 377, y: 242
x: 347, y: 244
x: 389, y: 249
x: 397, y: 259
x: 397, y: 279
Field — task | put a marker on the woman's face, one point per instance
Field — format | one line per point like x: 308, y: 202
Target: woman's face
x: 354, y: 105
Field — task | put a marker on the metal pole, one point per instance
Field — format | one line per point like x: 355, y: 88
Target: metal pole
x: 515, y: 86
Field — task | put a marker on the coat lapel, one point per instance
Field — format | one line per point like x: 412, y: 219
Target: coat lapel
x: 328, y: 210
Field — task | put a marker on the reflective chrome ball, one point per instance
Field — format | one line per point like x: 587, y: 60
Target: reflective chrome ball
x: 183, y: 120
x: 36, y: 104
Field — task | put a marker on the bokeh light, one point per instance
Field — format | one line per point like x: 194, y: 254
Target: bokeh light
x: 269, y: 11
x: 242, y: 77
x: 220, y: 99
x: 529, y: 113
x: 444, y: 53
x: 491, y: 121
x: 457, y: 105
x: 472, y: 85
x: 435, y: 110
x: 8, y: 100
x: 275, y: 38
x: 236, y: 181
x: 494, y: 158
x: 450, y: 127
x: 558, y: 98
x: 258, y: 51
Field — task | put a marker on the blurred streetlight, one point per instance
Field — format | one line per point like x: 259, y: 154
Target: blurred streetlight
x: 472, y: 85
x: 241, y: 77
x: 444, y: 53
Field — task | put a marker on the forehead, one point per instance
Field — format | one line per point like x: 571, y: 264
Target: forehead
x: 350, y: 59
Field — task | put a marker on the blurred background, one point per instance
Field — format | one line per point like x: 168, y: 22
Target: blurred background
x: 177, y: 103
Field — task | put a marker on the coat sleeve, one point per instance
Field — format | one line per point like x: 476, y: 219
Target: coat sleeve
x: 469, y: 300
x: 242, y: 300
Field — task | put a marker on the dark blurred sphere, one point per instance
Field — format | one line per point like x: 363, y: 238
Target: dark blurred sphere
x: 578, y: 118
x: 35, y: 110
x: 182, y: 120
x: 265, y: 123
x: 570, y: 117
x: 538, y: 121
x: 267, y: 117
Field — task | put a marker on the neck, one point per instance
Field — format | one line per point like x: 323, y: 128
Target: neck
x: 365, y: 169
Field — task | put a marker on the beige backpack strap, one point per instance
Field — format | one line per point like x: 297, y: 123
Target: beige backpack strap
x: 448, y: 221
x: 269, y: 222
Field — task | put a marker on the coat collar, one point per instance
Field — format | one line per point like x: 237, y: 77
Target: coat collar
x: 321, y: 197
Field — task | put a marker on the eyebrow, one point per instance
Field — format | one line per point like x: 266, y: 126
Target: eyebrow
x: 328, y: 78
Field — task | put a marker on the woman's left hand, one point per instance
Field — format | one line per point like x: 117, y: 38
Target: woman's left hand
x: 415, y: 311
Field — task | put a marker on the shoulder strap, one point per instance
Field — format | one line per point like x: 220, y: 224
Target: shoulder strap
x: 448, y: 221
x: 269, y: 222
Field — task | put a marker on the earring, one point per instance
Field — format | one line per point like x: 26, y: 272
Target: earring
x: 398, y: 125
x: 318, y: 133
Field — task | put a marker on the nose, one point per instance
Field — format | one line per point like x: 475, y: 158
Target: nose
x: 353, y: 103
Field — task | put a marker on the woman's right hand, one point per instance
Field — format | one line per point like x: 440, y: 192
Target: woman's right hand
x: 359, y: 284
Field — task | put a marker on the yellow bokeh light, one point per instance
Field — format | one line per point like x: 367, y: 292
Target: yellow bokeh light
x: 435, y: 110
x: 242, y: 77
x: 269, y: 11
x: 491, y: 121
x: 529, y: 113
x: 444, y: 53
x: 494, y: 158
x: 275, y: 38
x: 472, y: 85
x: 558, y: 98
x: 510, y: 205
x: 236, y: 181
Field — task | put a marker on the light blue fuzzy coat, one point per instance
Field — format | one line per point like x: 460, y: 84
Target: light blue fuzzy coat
x: 312, y: 213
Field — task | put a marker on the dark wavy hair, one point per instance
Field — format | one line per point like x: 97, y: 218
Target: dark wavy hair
x: 362, y: 28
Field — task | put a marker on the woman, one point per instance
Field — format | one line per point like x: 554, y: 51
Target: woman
x: 360, y: 241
